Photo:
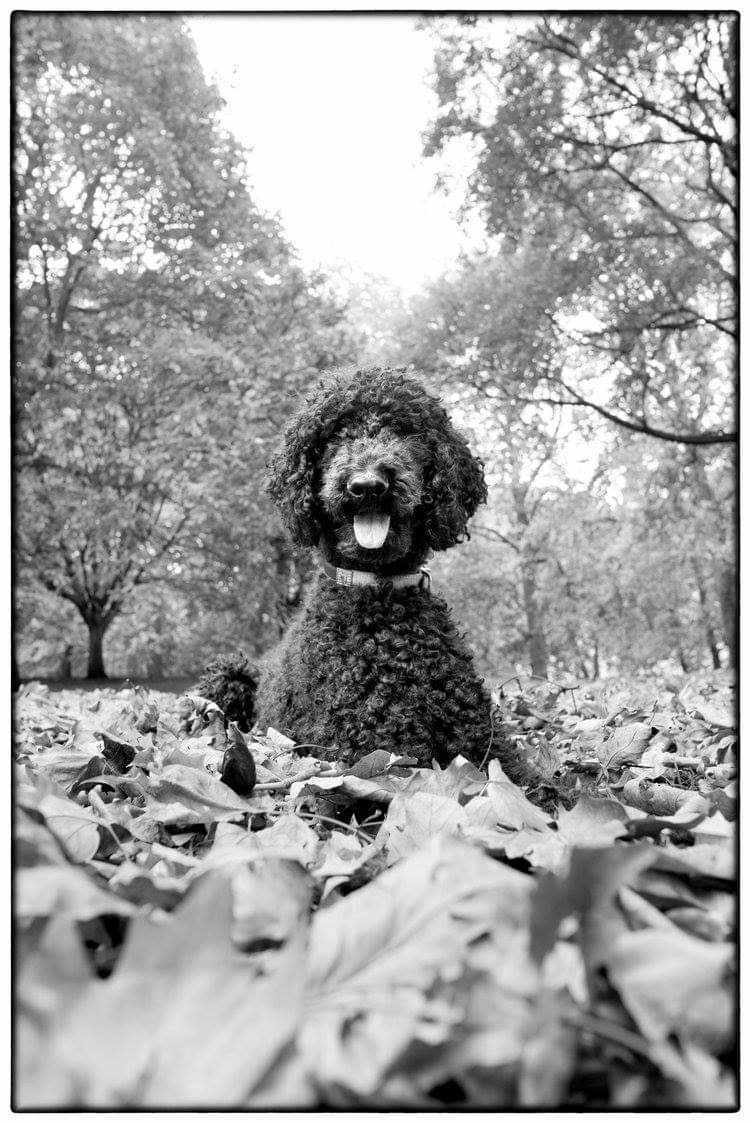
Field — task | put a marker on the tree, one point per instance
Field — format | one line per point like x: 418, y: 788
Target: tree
x: 604, y: 163
x: 513, y: 536
x: 161, y: 321
x: 600, y: 550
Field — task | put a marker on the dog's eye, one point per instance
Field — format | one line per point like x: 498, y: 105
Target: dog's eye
x: 385, y: 469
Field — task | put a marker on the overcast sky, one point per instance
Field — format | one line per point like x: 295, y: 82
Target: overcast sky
x: 333, y: 108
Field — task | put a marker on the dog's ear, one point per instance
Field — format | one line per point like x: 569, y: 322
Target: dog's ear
x: 293, y: 472
x: 290, y: 485
x: 455, y: 488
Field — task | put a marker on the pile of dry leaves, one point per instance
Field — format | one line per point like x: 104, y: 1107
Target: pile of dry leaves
x: 384, y: 936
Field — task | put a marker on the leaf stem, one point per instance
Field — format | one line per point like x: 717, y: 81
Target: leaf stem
x: 610, y: 1031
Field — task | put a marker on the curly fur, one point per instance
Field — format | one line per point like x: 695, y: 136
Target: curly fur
x: 376, y: 667
x: 231, y: 682
x: 370, y: 667
x: 455, y: 482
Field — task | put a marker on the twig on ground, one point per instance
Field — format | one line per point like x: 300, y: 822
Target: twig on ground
x: 513, y: 678
x: 174, y: 854
x: 313, y: 816
x: 304, y: 748
x: 492, y: 738
x: 305, y: 774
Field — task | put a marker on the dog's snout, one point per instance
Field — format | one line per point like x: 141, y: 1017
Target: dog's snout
x: 367, y: 485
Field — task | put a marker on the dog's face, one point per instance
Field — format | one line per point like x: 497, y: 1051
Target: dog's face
x: 372, y: 468
x: 369, y: 494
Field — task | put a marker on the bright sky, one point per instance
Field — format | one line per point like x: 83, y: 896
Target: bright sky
x: 333, y: 108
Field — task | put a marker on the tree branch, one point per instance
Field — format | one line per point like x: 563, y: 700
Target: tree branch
x: 640, y: 425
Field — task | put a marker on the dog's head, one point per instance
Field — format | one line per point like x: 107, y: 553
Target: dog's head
x: 372, y: 468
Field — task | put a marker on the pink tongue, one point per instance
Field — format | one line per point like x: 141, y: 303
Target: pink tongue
x: 371, y: 531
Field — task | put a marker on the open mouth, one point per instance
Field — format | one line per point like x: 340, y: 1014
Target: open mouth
x: 371, y: 530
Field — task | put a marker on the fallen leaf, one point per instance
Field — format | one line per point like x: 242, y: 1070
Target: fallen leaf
x: 717, y: 709
x: 700, y: 1082
x: 48, y: 980
x: 64, y: 892
x: 183, y: 1022
x: 289, y: 837
x: 587, y: 892
x: 699, y: 922
x: 197, y: 790
x: 688, y: 816
x: 548, y: 1058
x: 625, y: 745
x: 672, y: 983
x: 414, y: 820
x: 64, y: 765
x: 380, y: 788
x: 512, y: 807
x: 713, y: 861
x: 118, y: 753
x: 459, y: 780
x: 592, y: 822
x: 148, y: 886
x: 271, y: 903
x: 344, y: 857
x: 376, y: 954
x: 74, y: 826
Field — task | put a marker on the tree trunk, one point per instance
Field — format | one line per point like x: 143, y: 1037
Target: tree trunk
x: 528, y: 558
x: 65, y: 670
x: 728, y: 599
x: 715, y: 657
x: 97, y: 630
x: 707, y: 622
x: 536, y: 638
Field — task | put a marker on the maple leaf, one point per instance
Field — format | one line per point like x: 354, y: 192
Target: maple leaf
x: 414, y: 820
x: 184, y: 1020
x: 376, y: 955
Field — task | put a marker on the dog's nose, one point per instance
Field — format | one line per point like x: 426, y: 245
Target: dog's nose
x: 367, y: 485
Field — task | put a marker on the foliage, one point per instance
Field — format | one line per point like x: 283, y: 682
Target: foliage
x: 381, y: 936
x: 602, y: 170
x: 594, y: 555
x: 603, y: 153
x: 161, y: 323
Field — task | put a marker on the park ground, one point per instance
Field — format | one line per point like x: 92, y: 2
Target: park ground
x: 378, y: 935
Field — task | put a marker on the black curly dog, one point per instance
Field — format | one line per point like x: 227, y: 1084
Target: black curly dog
x: 374, y: 474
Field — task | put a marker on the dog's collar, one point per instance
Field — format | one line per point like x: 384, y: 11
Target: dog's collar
x: 350, y: 577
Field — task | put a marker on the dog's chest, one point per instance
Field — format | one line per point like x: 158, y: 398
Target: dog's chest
x: 393, y: 634
x: 382, y: 668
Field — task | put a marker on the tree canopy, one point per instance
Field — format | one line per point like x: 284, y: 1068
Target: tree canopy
x: 164, y: 328
x: 603, y: 166
x: 161, y: 320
